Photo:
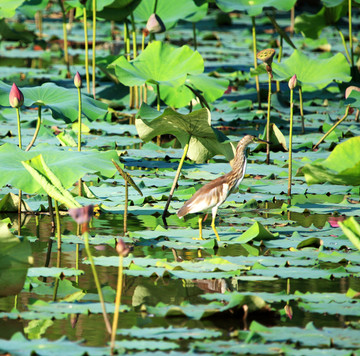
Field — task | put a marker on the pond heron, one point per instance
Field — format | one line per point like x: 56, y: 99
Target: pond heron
x: 214, y: 193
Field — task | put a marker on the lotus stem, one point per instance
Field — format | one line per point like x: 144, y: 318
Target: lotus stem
x: 158, y: 96
x: 186, y: 148
x: 126, y: 206
x: 19, y: 126
x: 37, y: 129
x: 66, y: 52
x: 279, y: 60
x: 350, y: 36
x: 268, y: 121
x: 301, y: 110
x: 255, y: 60
x: 20, y: 192
x: 86, y: 51
x: 290, y: 140
x: 292, y: 20
x: 58, y: 226
x: 194, y: 35
x: 94, y: 47
x: 51, y: 212
x: 345, y: 46
x: 79, y: 133
x: 333, y: 127
x: 77, y: 262
x: 136, y: 88
x: 117, y: 303
x: 97, y: 283
x: 155, y: 6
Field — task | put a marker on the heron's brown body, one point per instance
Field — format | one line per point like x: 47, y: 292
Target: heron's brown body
x: 214, y: 193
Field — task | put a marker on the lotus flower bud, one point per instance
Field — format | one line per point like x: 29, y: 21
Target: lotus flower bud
x: 121, y: 248
x: 16, y: 97
x: 155, y: 24
x: 77, y: 80
x: 82, y: 215
x: 292, y: 82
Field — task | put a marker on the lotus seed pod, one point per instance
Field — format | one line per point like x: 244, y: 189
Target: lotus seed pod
x: 16, y: 97
x: 77, y: 80
x: 155, y: 24
x: 266, y: 55
x: 121, y: 248
x: 292, y: 82
x: 350, y: 89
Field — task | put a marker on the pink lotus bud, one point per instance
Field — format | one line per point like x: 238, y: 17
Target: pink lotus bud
x: 16, y: 97
x: 292, y: 82
x: 155, y: 24
x: 77, y: 80
x: 121, y: 248
x: 82, y: 215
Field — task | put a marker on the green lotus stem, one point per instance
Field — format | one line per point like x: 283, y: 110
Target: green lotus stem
x: 194, y: 35
x: 158, y: 96
x: 255, y: 60
x: 117, y: 303
x: 86, y: 51
x: 58, y: 226
x: 268, y: 122
x: 56, y: 287
x: 51, y: 212
x: 290, y: 140
x: 97, y: 283
x: 126, y: 206
x: 79, y: 119
x: 37, y: 129
x: 301, y: 110
x: 66, y: 52
x: 350, y: 36
x: 292, y: 20
x: 279, y: 60
x: 77, y: 262
x: 16, y: 301
x: 345, y: 46
x: 19, y: 212
x: 155, y: 6
x: 186, y: 148
x: 333, y: 127
x: 94, y: 47
x: 19, y: 126
x: 136, y: 88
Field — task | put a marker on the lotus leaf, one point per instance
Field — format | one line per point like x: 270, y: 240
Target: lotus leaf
x: 205, y: 140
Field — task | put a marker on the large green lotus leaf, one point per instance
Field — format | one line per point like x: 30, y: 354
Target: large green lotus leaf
x: 8, y: 7
x: 159, y: 63
x: 188, y: 10
x: 254, y: 7
x: 341, y: 167
x: 256, y: 232
x: 205, y: 141
x: 209, y: 87
x: 312, y: 25
x: 30, y: 7
x: 313, y: 73
x: 62, y: 102
x: 118, y: 10
x: 14, y: 261
x: 68, y: 166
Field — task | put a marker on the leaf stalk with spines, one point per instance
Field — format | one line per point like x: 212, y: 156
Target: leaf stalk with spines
x: 86, y: 51
x: 292, y: 85
x: 94, y: 48
x: 37, y: 129
x: 97, y: 283
x: 186, y: 148
x: 333, y: 127
x: 257, y: 83
x: 268, y: 120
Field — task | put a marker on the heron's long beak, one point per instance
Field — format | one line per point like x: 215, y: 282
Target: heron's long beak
x: 261, y: 141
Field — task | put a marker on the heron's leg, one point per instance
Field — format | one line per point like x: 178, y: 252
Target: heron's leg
x: 200, y: 228
x: 214, y: 211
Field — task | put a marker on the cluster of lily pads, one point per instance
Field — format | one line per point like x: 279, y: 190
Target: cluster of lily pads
x: 101, y: 171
